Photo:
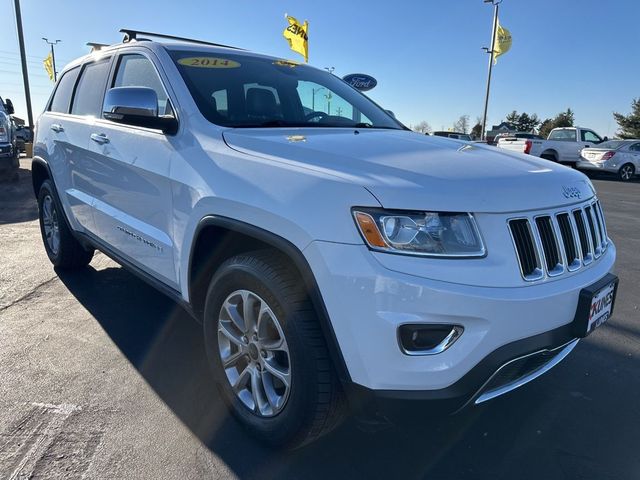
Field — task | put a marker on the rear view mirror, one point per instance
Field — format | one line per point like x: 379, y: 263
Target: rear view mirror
x: 137, y: 106
x: 8, y: 104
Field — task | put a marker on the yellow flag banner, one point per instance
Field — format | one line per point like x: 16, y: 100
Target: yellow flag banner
x: 296, y: 35
x: 502, y: 42
x: 48, y: 66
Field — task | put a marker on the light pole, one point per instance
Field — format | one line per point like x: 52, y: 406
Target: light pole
x: 328, y: 96
x: 491, y: 53
x: 313, y: 97
x: 330, y: 69
x: 53, y: 57
x: 23, y: 60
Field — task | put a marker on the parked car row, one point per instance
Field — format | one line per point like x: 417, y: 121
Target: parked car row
x: 9, y: 152
x: 581, y: 148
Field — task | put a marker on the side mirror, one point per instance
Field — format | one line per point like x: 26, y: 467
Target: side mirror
x: 9, y: 106
x: 605, y: 139
x: 391, y: 113
x: 137, y: 106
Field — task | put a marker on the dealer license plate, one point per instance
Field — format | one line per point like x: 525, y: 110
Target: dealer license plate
x: 601, y: 307
x: 595, y: 305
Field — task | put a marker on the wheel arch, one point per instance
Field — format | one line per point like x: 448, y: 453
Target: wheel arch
x: 217, y: 238
x: 552, y: 152
x: 40, y: 172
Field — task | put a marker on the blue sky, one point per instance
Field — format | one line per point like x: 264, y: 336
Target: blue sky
x: 425, y: 54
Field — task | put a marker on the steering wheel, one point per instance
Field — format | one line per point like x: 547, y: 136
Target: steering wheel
x: 311, y: 115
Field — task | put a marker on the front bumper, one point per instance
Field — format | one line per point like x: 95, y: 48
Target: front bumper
x: 367, y: 301
x: 6, y: 150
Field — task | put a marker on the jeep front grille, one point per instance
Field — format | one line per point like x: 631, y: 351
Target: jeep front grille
x: 548, y: 245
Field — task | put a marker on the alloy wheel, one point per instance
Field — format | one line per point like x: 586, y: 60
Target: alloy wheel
x: 254, y: 353
x: 50, y: 223
x: 626, y: 172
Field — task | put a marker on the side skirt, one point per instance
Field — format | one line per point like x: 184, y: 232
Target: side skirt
x: 94, y: 242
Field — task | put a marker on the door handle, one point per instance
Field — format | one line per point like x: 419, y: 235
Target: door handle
x: 100, y: 138
x: 56, y: 127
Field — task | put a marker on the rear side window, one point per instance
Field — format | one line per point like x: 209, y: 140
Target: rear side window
x: 136, y: 70
x: 62, y: 96
x: 90, y: 90
x: 566, y: 135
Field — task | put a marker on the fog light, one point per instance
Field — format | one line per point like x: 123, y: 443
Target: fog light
x: 427, y: 339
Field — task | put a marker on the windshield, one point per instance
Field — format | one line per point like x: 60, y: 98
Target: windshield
x: 244, y: 91
x: 612, y: 144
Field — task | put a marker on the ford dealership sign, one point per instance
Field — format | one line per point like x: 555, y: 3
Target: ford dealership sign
x: 360, y: 81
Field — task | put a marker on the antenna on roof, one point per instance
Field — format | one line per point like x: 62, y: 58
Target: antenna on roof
x: 96, y: 47
x: 130, y: 34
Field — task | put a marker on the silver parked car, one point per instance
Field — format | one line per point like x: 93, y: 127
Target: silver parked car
x: 621, y: 157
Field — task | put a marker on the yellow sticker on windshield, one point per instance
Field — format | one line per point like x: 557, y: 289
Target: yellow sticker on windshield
x: 286, y: 63
x: 208, y: 62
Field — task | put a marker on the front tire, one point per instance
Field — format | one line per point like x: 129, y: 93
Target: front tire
x: 267, y: 352
x: 626, y: 172
x: 63, y: 250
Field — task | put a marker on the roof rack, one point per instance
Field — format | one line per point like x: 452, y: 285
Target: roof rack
x: 130, y: 34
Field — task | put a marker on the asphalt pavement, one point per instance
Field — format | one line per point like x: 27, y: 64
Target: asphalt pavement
x: 102, y: 377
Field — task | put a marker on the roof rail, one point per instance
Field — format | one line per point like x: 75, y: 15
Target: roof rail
x: 130, y: 34
x: 95, y: 47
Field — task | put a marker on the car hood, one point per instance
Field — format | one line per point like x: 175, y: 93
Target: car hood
x: 406, y: 170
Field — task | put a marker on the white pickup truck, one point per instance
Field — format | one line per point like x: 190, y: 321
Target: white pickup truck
x: 563, y: 145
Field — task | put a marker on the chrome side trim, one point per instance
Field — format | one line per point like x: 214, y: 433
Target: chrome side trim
x: 564, y: 350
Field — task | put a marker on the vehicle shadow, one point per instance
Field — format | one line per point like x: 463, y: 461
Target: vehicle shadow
x: 544, y: 430
x: 594, y: 175
x: 17, y: 201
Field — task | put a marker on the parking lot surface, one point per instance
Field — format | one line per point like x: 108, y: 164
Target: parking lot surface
x: 101, y: 376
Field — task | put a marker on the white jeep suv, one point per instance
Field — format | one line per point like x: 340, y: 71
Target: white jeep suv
x: 334, y: 257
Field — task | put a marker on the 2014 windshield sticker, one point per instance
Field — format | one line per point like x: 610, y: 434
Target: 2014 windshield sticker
x: 208, y: 62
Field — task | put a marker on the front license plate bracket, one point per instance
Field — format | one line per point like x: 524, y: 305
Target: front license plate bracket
x: 581, y: 321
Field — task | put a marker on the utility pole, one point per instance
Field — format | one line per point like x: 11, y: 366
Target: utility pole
x: 491, y: 53
x: 23, y: 60
x: 53, y: 57
x: 313, y: 97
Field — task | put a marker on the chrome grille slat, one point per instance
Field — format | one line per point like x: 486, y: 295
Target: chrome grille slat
x: 551, y: 244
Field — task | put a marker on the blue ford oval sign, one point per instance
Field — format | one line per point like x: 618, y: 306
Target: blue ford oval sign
x: 360, y: 81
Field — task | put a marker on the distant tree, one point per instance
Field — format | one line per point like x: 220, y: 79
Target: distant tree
x: 422, y: 127
x: 563, y: 119
x: 462, y: 124
x: 512, y: 119
x: 522, y: 122
x: 528, y: 123
x: 629, y: 124
x: 476, y: 131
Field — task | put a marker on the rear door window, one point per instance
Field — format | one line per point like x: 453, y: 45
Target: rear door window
x: 87, y: 99
x: 62, y: 96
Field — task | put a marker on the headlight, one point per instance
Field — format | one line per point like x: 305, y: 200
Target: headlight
x: 435, y: 234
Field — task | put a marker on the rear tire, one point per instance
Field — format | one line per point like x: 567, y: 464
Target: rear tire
x: 281, y: 415
x: 63, y: 250
x: 626, y: 172
x: 549, y: 156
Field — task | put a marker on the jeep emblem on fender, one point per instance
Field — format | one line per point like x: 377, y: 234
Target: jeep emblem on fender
x: 571, y: 192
